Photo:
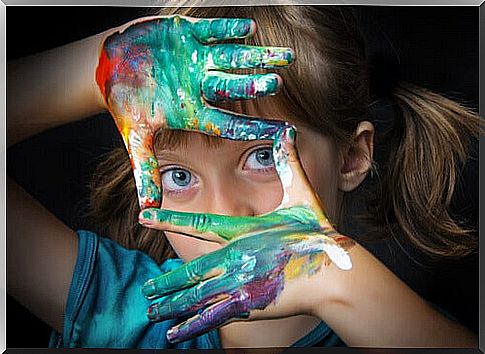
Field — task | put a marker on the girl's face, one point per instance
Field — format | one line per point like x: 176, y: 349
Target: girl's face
x: 236, y: 178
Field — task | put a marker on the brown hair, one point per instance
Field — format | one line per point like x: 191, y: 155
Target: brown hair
x: 327, y: 87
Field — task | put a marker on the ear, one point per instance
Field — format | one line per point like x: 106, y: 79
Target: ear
x: 357, y: 159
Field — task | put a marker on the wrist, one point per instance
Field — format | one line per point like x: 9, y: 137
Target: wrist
x: 333, y: 286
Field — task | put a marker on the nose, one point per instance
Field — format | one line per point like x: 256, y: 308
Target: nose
x: 228, y: 197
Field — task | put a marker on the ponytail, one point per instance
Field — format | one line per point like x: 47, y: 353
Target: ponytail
x: 431, y: 139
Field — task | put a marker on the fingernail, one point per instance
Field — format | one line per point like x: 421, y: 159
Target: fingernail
x: 245, y: 27
x: 152, y: 313
x: 274, y: 84
x: 253, y: 26
x: 144, y: 222
x: 149, y: 289
x: 147, y: 215
x: 146, y: 218
x: 172, y: 334
x: 290, y: 135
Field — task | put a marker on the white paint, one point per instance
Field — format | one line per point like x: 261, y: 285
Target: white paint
x: 260, y: 85
x: 194, y: 57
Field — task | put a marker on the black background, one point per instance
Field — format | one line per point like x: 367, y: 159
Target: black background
x: 436, y: 47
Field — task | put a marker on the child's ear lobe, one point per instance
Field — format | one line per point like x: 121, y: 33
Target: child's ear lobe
x: 356, y: 160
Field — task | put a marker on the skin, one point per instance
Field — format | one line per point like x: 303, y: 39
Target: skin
x: 128, y: 59
x: 262, y: 255
x: 369, y: 293
x: 160, y: 72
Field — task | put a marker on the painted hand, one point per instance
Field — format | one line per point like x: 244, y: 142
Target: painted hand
x: 159, y: 72
x: 261, y: 254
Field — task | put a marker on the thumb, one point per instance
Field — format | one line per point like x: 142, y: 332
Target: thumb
x: 297, y: 189
x: 144, y: 165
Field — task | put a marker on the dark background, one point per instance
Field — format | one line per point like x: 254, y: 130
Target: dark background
x: 436, y: 47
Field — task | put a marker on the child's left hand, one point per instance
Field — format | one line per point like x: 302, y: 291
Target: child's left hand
x: 261, y: 255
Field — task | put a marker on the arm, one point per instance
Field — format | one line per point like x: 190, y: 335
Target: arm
x: 61, y: 85
x: 370, y: 306
x: 45, y: 90
x: 41, y: 253
x: 52, y: 88
x: 289, y: 262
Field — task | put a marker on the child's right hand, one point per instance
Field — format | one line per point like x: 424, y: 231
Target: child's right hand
x: 158, y: 72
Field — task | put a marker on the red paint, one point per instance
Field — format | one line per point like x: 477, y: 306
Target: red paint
x: 103, y: 72
x: 222, y: 93
x: 120, y: 64
x: 252, y: 89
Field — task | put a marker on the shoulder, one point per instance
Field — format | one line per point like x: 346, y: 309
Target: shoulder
x: 105, y: 306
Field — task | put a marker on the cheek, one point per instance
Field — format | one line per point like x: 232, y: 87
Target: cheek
x: 320, y: 161
x: 188, y: 248
x: 262, y: 198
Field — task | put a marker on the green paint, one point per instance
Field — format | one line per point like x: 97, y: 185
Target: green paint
x: 219, y: 29
x: 222, y: 86
x: 250, y: 272
x: 230, y: 227
x: 163, y: 66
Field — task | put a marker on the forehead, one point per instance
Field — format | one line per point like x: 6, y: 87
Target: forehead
x: 199, y: 145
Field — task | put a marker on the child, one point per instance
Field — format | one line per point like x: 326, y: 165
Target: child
x: 335, y: 143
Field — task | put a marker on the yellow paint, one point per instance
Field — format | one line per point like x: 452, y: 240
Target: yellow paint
x: 195, y: 123
x: 280, y: 62
x: 294, y: 267
x: 305, y: 265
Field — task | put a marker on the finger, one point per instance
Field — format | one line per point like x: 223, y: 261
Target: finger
x: 238, y: 56
x: 219, y: 86
x: 210, y: 227
x: 217, y: 29
x: 212, y: 317
x: 187, y: 275
x: 205, y: 226
x: 188, y: 301
x: 139, y: 145
x: 229, y: 125
x: 297, y: 189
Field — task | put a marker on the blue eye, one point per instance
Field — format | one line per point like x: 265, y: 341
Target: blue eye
x: 176, y: 179
x: 260, y: 159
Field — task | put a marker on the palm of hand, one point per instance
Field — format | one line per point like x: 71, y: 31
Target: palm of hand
x: 156, y: 69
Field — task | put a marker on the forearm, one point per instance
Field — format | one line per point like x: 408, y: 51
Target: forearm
x: 52, y: 88
x: 370, y: 306
x: 41, y: 253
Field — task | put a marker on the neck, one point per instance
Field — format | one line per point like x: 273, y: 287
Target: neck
x: 281, y: 332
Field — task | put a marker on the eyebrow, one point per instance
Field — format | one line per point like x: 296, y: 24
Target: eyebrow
x: 170, y: 156
x: 168, y: 139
